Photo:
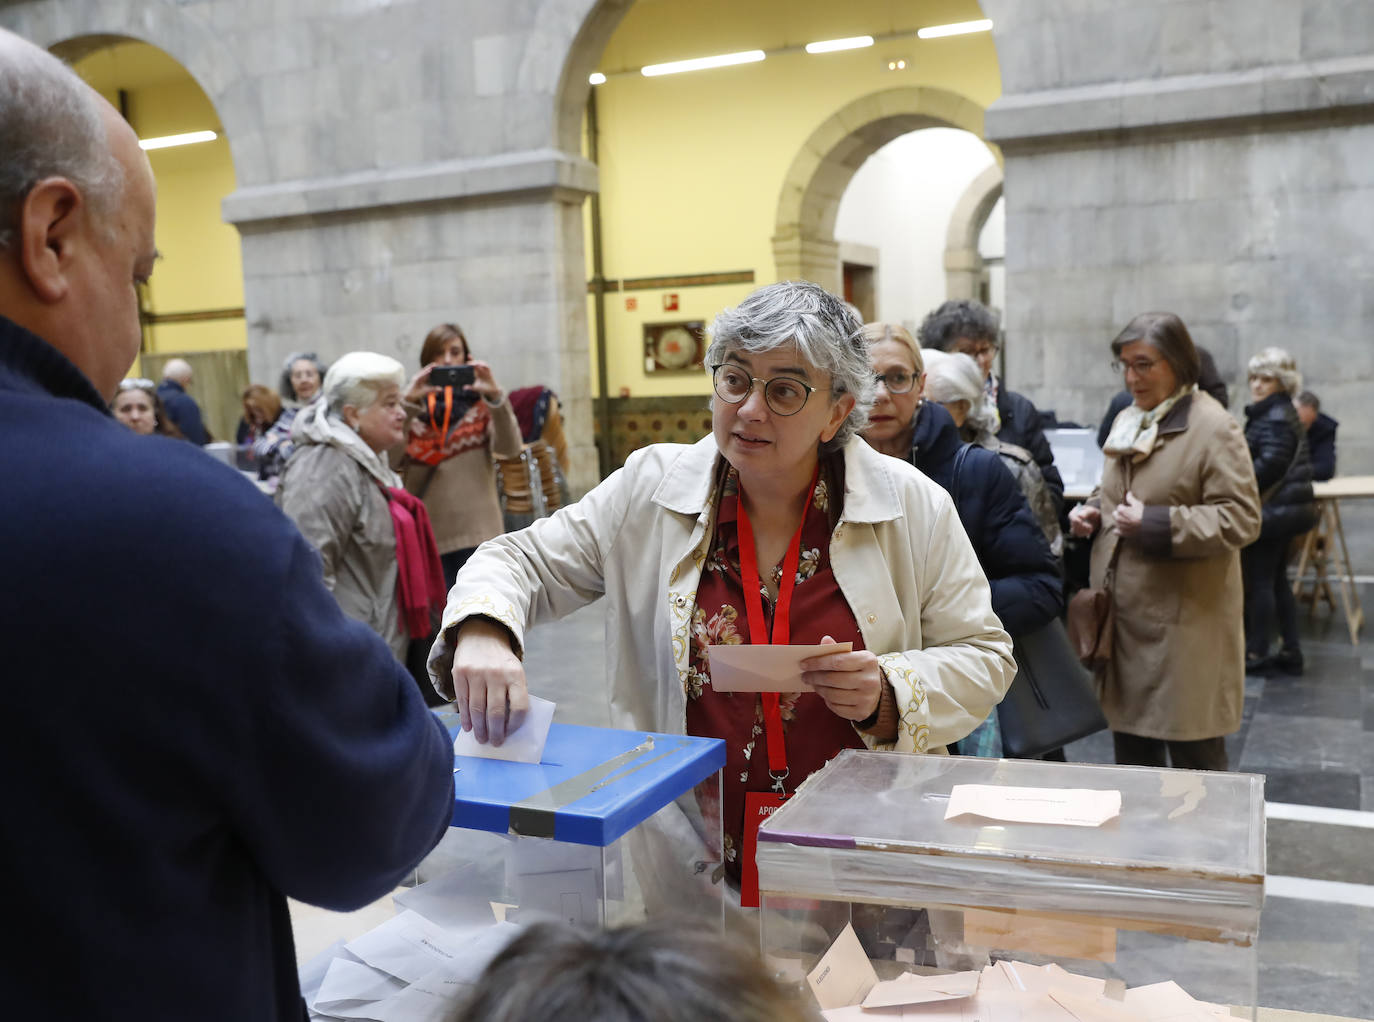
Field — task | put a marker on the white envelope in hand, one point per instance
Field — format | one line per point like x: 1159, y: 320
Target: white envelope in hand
x: 524, y: 745
x: 765, y: 668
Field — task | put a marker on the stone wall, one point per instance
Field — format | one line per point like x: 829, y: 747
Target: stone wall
x: 1210, y: 157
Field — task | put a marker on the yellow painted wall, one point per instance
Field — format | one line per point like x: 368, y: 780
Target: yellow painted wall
x: 692, y: 164
x: 201, y: 267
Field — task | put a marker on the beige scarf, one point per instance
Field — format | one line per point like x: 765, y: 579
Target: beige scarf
x: 1134, y: 430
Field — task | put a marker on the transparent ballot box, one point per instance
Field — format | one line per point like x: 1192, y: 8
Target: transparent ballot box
x: 1167, y: 889
x: 606, y: 826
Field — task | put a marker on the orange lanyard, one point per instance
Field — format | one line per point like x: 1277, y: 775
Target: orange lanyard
x: 448, y: 411
x: 753, y: 604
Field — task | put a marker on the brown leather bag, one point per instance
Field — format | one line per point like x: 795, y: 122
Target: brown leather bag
x: 1091, y: 622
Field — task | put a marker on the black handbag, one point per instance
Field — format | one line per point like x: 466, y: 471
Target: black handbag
x: 1051, y: 701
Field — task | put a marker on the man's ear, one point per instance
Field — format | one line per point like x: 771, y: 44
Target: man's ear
x: 50, y: 218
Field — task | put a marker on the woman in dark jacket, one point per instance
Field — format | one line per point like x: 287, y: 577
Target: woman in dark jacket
x: 1283, y: 471
x: 1012, y: 550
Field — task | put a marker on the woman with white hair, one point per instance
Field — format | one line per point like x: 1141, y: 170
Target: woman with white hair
x: 1021, y: 570
x: 374, y: 539
x: 955, y: 381
x: 782, y: 526
x: 1283, y: 471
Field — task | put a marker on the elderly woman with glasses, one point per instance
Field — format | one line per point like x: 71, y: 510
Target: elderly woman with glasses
x: 781, y: 526
x: 1176, y: 503
x: 1012, y: 549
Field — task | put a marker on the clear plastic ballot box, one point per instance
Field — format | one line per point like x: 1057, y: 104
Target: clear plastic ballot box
x: 1168, y: 888
x: 606, y: 827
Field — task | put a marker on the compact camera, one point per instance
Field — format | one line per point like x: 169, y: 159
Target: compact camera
x: 452, y: 376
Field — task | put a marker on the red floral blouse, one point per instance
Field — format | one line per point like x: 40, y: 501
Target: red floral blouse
x: 813, y: 734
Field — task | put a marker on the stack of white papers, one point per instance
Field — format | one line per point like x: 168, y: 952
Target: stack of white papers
x: 411, y: 968
x: 848, y: 990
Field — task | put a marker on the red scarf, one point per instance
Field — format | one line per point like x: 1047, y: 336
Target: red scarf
x: 421, y: 589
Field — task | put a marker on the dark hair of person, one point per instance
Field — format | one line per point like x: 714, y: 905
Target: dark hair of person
x: 954, y: 319
x: 437, y: 340
x: 264, y: 403
x: 664, y: 970
x: 1166, y: 333
x: 1309, y: 400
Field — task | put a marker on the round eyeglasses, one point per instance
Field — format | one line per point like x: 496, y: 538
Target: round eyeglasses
x: 783, y: 394
x: 896, y: 381
x: 1139, y: 366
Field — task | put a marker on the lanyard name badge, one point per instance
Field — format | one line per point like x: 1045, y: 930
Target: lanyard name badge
x: 760, y: 805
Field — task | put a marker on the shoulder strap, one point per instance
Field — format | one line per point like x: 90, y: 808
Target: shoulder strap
x: 958, y: 466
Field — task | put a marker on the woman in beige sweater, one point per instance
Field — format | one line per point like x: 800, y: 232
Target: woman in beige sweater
x: 450, y: 445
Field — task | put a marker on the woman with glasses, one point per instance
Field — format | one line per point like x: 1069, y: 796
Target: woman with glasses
x: 781, y: 526
x: 970, y: 327
x: 1011, y: 548
x: 1283, y: 472
x: 137, y: 405
x: 1176, y: 503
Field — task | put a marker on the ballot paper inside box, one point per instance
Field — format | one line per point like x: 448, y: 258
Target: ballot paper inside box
x: 607, y: 826
x: 1148, y: 876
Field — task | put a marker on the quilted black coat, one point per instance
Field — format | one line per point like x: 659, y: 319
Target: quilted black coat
x: 1283, y: 468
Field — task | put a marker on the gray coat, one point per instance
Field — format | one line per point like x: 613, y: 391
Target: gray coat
x: 342, y: 511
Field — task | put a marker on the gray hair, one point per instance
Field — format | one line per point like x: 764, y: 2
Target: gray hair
x: 1276, y: 364
x: 357, y: 379
x: 285, y: 387
x: 818, y: 326
x: 957, y: 318
x: 658, y: 971
x: 953, y: 376
x: 50, y: 126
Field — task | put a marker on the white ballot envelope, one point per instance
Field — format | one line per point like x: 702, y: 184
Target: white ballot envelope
x: 912, y: 989
x: 765, y: 668
x: 844, y: 975
x: 524, y: 745
x: 1073, y: 807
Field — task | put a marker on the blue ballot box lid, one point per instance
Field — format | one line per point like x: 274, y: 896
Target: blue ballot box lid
x: 593, y: 785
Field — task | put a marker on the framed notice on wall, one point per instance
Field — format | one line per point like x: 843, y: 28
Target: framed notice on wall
x: 674, y: 347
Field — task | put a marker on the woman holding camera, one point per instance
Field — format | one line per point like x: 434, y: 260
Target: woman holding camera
x: 459, y: 418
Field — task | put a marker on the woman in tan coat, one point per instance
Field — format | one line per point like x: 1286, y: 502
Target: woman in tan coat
x: 448, y: 453
x: 1177, y: 502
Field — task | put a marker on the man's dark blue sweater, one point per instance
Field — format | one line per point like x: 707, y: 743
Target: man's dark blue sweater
x: 194, y: 729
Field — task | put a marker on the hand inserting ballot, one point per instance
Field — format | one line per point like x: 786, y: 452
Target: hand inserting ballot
x: 488, y: 681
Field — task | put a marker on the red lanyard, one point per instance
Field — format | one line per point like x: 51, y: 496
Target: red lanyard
x: 753, y: 604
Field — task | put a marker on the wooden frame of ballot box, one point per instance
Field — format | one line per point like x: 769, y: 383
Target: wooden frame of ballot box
x: 1169, y: 889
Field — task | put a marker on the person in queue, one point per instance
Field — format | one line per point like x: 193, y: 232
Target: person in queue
x: 176, y: 782
x: 342, y: 494
x: 1176, y: 504
x: 447, y: 460
x: 1283, y: 472
x: 783, y: 496
x: 970, y: 327
x: 955, y: 382
x: 1321, y: 435
x: 662, y: 970
x: 265, y: 432
x: 137, y: 405
x: 181, y: 406
x: 302, y: 375
x: 1012, y: 550
x: 1208, y: 380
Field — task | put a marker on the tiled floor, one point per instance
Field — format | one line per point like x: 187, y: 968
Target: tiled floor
x: 1309, y: 736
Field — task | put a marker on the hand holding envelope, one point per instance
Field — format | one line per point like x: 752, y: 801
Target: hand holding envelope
x: 850, y: 681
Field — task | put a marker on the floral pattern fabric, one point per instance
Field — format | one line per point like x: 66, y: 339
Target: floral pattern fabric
x: 813, y: 734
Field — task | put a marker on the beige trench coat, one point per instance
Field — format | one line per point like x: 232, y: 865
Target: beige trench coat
x: 1178, y: 658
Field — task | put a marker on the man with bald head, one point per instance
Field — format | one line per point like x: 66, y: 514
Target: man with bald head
x: 194, y: 728
x: 181, y: 406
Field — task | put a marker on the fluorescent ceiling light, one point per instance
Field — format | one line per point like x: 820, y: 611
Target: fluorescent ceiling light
x: 958, y: 28
x: 596, y: 78
x: 168, y: 141
x: 857, y: 42
x: 701, y: 63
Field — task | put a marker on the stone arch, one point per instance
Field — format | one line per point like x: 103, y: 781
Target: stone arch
x: 804, y: 243
x: 73, y: 28
x: 564, y: 46
x: 963, y: 262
